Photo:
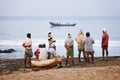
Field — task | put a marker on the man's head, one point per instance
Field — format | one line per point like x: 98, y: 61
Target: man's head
x: 69, y: 36
x: 40, y: 45
x: 104, y: 30
x: 28, y: 35
x: 44, y: 46
x: 87, y: 34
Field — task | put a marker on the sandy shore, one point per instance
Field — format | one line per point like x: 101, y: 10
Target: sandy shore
x: 13, y: 69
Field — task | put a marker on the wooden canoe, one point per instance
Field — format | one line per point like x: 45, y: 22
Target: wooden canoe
x: 60, y: 24
x: 49, y: 62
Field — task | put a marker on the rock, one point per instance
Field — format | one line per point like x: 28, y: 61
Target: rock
x: 7, y: 51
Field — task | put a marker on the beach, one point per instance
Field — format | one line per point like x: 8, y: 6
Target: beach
x: 109, y: 69
x: 39, y: 17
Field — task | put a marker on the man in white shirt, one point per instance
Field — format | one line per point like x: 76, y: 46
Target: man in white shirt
x: 88, y: 42
x: 69, y: 45
x: 52, y: 52
x: 43, y: 53
x: 27, y: 44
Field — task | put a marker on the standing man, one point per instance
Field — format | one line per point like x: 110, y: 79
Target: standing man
x: 104, y: 43
x: 69, y: 44
x: 27, y: 44
x: 88, y: 42
x: 79, y: 39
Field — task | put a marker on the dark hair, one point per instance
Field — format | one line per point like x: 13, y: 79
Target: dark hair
x: 87, y: 34
x: 49, y: 33
x: 68, y: 33
x: 29, y: 35
x: 40, y: 45
x: 43, y: 45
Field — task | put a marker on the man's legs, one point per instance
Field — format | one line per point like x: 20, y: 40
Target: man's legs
x: 87, y: 57
x: 84, y: 56
x: 79, y: 55
x: 72, y: 60
x: 30, y: 61
x: 25, y: 59
x: 106, y: 52
x: 67, y: 60
x: 92, y: 57
x: 103, y: 53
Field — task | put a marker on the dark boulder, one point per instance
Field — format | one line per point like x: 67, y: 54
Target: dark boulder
x: 7, y: 51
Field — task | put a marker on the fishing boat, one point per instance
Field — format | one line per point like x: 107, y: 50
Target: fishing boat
x: 60, y: 24
x: 49, y: 62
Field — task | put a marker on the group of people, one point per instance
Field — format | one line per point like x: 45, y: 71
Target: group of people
x: 41, y: 53
x: 85, y: 46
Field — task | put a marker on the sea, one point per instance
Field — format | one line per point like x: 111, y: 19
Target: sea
x: 13, y: 30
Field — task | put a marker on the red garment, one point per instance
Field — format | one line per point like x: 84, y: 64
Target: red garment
x: 36, y: 53
x: 105, y: 38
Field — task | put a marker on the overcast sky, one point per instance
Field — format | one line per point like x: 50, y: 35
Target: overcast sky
x: 59, y: 7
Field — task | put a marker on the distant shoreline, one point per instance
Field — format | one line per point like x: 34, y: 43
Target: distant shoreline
x: 59, y: 17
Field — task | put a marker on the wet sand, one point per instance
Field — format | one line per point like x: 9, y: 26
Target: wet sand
x: 109, y: 69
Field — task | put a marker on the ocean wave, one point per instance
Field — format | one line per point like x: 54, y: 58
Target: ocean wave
x: 17, y: 45
x: 59, y: 42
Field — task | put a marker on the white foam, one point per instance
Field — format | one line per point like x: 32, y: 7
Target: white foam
x: 59, y: 42
x: 114, y: 47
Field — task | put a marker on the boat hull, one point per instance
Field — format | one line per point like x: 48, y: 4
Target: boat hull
x: 45, y: 63
x: 59, y: 24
